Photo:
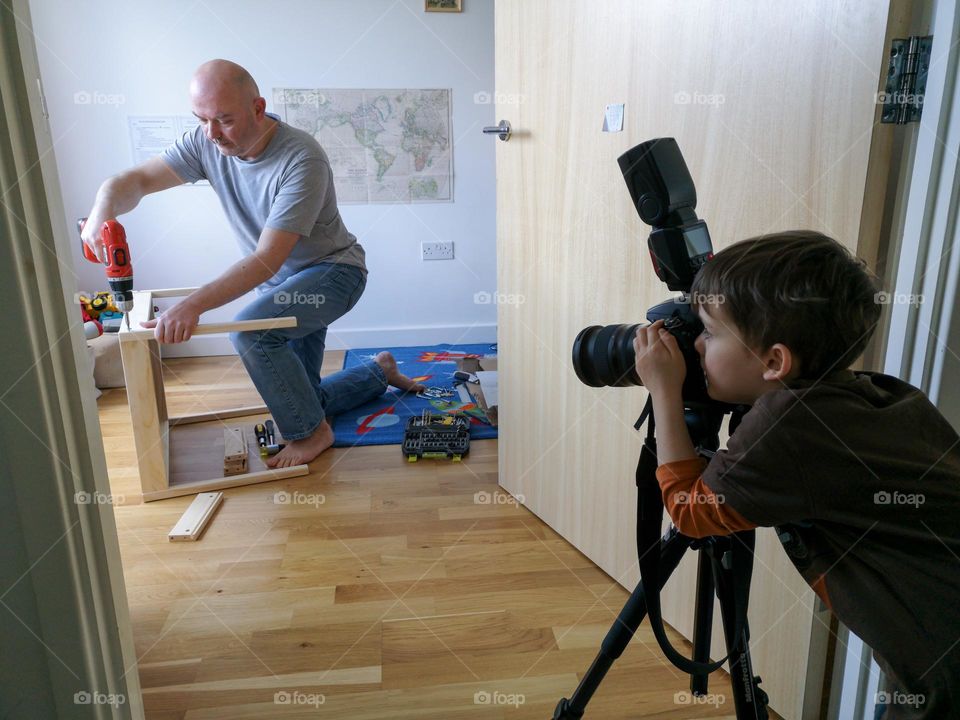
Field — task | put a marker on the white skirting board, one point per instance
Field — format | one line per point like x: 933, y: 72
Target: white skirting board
x: 209, y: 345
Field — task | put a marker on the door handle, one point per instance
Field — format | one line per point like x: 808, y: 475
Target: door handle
x: 503, y: 130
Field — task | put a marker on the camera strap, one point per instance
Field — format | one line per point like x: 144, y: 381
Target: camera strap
x: 649, y: 521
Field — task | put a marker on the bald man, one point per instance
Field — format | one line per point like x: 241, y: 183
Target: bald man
x: 276, y: 186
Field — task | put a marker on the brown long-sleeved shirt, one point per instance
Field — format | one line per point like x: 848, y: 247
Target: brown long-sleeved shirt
x: 867, y: 473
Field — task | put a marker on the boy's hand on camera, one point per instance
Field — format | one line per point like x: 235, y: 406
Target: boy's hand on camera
x: 660, y: 363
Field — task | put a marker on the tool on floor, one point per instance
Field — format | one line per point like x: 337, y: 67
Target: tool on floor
x: 435, y: 393
x: 266, y: 438
x: 117, y: 260
x: 436, y: 436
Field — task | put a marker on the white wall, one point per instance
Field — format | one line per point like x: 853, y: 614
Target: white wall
x: 144, y: 53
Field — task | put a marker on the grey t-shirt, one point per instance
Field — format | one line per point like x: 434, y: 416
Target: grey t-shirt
x: 288, y: 187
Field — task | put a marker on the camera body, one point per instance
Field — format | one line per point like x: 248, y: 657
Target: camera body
x: 665, y: 198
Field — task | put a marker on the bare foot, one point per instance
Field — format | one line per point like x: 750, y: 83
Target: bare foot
x: 394, y: 376
x: 299, y: 452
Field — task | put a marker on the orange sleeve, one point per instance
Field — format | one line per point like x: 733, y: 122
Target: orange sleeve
x: 694, y: 508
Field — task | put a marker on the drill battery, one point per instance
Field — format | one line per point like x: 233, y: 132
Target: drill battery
x: 433, y: 435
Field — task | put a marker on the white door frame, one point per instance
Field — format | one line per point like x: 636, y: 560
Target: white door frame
x: 65, y: 602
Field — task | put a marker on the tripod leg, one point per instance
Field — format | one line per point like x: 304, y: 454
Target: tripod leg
x: 621, y: 632
x: 750, y: 701
x: 702, y: 620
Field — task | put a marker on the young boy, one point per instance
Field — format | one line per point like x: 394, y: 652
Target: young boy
x: 861, y: 464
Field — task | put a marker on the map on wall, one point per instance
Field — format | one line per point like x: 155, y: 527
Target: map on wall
x: 385, y: 146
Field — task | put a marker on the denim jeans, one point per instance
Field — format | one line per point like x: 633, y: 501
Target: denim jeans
x: 284, y: 364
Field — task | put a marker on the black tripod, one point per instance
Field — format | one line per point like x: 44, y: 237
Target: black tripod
x: 724, y: 566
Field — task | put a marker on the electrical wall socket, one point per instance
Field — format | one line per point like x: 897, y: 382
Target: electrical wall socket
x: 436, y: 250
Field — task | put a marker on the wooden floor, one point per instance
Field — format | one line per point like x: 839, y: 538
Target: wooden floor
x: 371, y: 588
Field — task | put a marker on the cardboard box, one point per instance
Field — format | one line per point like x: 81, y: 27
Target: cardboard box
x: 485, y: 393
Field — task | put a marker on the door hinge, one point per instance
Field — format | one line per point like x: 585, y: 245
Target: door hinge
x: 902, y: 98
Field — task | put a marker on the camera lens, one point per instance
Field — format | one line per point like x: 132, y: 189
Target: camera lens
x: 604, y: 356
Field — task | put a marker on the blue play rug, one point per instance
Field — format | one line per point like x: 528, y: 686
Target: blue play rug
x: 381, y: 421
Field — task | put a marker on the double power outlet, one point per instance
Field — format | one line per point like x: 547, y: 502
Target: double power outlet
x: 436, y: 250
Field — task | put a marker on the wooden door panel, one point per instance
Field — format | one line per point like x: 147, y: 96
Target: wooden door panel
x: 773, y: 107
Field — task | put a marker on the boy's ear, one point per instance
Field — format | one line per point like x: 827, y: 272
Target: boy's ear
x: 780, y: 363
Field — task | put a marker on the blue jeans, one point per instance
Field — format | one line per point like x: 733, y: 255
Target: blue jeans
x: 284, y: 364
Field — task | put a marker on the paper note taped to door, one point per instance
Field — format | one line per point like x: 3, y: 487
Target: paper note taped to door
x: 613, y: 118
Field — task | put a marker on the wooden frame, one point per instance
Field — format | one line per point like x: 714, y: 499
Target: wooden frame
x: 443, y: 6
x: 173, y: 460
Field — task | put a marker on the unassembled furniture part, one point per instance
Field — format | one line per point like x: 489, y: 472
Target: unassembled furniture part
x: 182, y: 455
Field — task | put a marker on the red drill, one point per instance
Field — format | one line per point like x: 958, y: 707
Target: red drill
x: 119, y: 268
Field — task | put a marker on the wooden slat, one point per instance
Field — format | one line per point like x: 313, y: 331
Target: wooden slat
x: 172, y: 292
x: 218, y: 415
x: 251, y: 478
x: 196, y: 517
x: 213, y: 328
x: 234, y: 444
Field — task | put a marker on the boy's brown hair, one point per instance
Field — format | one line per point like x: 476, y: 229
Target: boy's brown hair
x: 800, y: 288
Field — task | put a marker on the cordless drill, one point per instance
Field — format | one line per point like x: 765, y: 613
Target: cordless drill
x: 119, y: 268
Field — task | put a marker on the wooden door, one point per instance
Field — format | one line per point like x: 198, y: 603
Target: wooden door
x: 773, y: 106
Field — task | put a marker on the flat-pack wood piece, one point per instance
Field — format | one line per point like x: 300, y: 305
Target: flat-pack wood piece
x: 194, y: 520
